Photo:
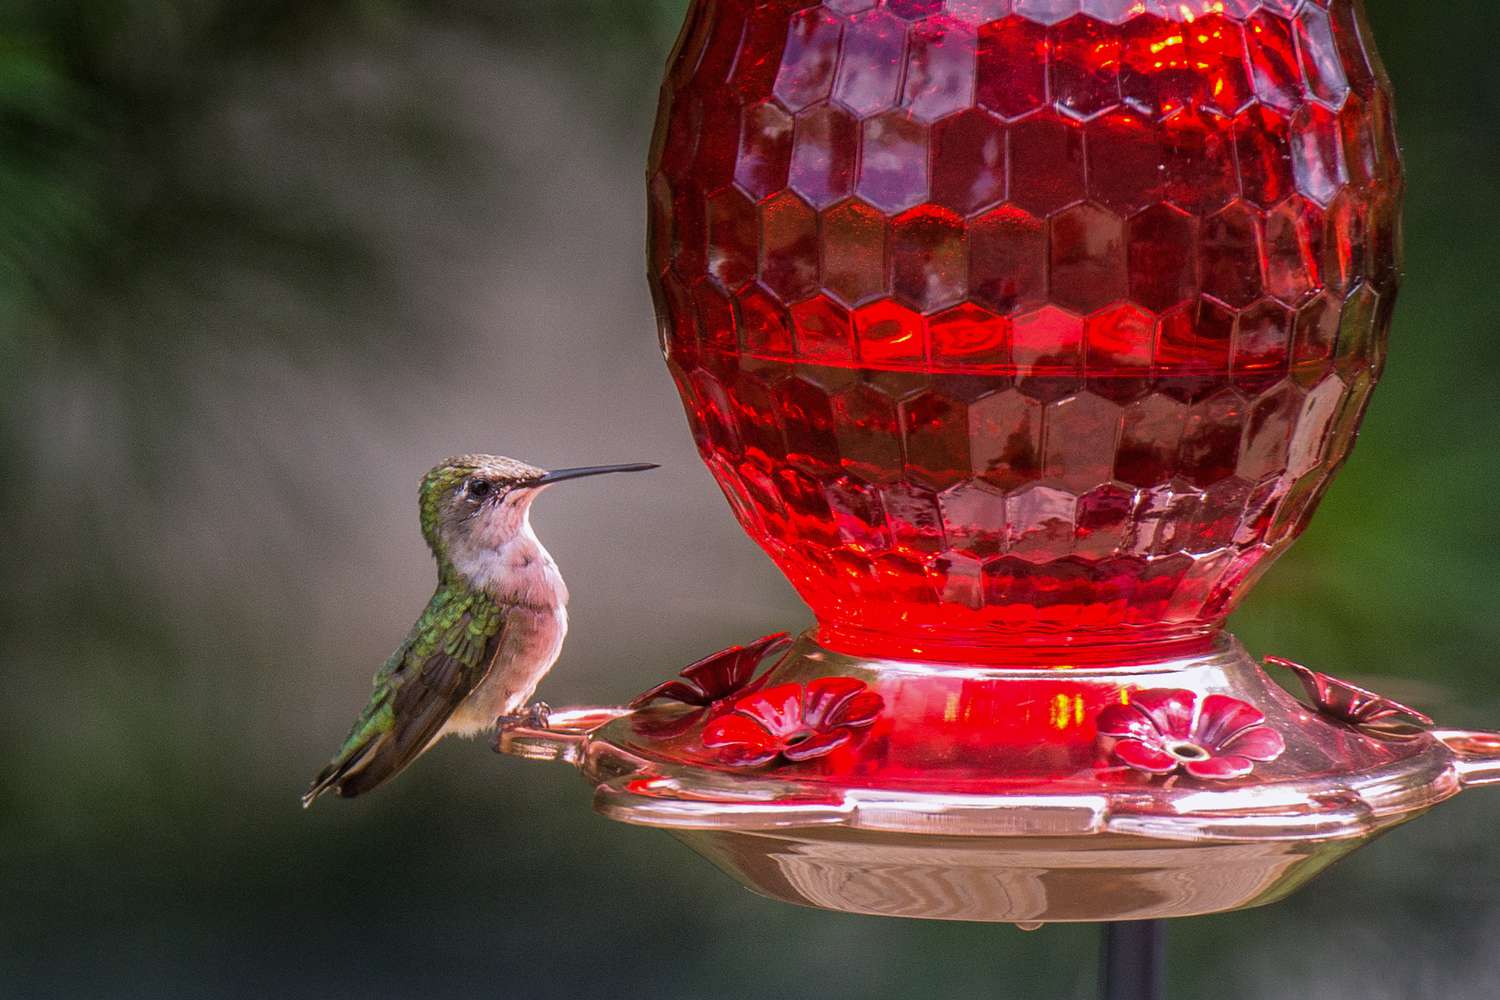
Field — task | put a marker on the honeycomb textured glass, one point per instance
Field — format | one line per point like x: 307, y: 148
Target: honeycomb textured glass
x: 1011, y: 324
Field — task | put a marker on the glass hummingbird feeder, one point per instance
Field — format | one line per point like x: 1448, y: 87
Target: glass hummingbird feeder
x: 1023, y: 336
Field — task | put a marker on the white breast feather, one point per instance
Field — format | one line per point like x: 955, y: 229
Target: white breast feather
x: 524, y: 578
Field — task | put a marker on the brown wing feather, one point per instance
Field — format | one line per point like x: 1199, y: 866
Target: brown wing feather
x: 422, y: 705
x: 433, y: 672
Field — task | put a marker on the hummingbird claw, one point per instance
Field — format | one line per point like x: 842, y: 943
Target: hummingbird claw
x: 534, y: 716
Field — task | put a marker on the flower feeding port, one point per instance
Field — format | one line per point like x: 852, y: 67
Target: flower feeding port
x: 1023, y: 336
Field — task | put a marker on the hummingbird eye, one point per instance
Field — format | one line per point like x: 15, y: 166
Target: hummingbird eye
x: 479, y: 488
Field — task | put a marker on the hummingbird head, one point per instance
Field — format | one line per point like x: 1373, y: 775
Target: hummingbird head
x: 473, y: 505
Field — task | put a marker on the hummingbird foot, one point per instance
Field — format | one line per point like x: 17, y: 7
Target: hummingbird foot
x: 533, y: 716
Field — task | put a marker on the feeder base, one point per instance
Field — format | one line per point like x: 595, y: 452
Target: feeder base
x: 989, y: 793
x: 1022, y: 880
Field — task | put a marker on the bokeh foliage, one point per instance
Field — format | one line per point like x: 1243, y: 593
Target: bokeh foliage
x: 260, y: 260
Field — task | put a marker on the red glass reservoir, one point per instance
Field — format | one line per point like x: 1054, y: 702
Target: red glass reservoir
x: 1014, y: 325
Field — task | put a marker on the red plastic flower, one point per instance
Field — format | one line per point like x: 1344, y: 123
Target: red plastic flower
x: 1160, y: 731
x: 717, y: 676
x: 793, y: 721
x: 1348, y: 702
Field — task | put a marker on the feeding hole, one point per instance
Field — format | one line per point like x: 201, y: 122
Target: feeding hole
x: 1183, y: 750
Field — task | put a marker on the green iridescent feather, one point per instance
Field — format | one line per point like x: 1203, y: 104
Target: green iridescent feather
x: 443, y: 658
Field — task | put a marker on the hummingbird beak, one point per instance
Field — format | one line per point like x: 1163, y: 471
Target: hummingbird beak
x: 558, y: 475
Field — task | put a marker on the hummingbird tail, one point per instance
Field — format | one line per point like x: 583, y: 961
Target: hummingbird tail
x: 365, y: 766
x: 339, y: 776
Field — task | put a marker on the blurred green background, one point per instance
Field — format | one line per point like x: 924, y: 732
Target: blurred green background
x: 262, y: 262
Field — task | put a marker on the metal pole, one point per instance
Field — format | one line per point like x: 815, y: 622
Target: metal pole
x: 1133, y: 963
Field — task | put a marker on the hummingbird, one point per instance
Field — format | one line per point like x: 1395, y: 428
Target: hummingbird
x: 493, y: 628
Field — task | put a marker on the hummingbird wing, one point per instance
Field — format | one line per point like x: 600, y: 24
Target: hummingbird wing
x: 444, y: 657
